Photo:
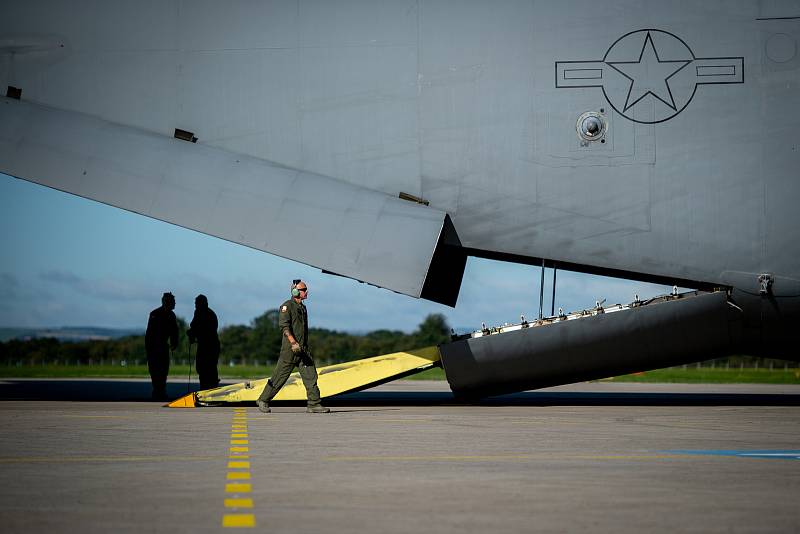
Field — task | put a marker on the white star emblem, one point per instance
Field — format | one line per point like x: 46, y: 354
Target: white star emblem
x: 649, y: 75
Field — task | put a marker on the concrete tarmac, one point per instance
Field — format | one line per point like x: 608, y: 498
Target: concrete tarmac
x: 96, y: 456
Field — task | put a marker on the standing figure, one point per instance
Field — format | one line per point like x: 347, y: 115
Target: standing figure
x: 203, y: 330
x: 161, y: 336
x: 293, y: 322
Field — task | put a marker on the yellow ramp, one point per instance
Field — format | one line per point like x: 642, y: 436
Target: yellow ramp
x: 333, y: 379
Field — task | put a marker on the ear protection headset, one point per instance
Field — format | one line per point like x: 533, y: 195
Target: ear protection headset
x: 295, y: 291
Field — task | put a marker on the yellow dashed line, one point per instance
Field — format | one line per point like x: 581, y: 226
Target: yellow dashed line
x: 238, y: 503
x: 238, y: 520
x: 238, y: 459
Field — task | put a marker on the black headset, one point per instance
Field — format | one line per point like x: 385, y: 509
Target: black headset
x: 295, y: 291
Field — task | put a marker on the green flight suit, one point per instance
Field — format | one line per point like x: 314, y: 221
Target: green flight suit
x: 294, y: 318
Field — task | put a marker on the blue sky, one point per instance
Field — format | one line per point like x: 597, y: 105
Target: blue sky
x: 68, y: 261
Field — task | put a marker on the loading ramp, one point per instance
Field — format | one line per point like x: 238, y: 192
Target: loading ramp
x: 333, y: 379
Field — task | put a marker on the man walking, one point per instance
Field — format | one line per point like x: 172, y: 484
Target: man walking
x: 293, y: 322
x: 203, y: 330
x: 162, y: 328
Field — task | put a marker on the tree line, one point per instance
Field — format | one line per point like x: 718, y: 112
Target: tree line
x: 240, y: 344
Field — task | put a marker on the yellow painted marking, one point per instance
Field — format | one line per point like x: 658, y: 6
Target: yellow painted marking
x: 99, y: 416
x: 493, y: 458
x: 77, y: 459
x: 238, y: 459
x: 235, y: 487
x: 333, y: 379
x: 546, y: 422
x: 239, y: 520
x: 399, y: 420
x: 238, y: 503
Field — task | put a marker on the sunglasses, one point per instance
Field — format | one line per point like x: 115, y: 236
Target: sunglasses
x: 302, y: 289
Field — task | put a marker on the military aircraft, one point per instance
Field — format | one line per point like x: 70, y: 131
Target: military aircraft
x: 648, y: 140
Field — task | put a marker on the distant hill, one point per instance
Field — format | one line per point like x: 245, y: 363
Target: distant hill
x: 68, y: 333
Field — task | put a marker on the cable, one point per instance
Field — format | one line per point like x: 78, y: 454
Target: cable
x: 189, y: 378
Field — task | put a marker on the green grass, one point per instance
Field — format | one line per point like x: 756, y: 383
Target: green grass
x: 690, y: 375
x: 707, y: 375
x: 437, y: 373
x: 130, y: 371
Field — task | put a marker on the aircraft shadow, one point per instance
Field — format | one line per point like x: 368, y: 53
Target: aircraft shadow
x: 542, y: 399
x: 100, y: 390
x: 85, y: 390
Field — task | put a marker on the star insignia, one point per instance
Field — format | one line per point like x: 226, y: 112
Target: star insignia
x: 649, y: 75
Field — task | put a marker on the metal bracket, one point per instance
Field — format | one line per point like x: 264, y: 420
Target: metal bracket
x: 765, y: 281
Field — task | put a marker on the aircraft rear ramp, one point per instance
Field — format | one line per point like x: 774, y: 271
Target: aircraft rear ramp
x: 333, y: 379
x: 663, y: 331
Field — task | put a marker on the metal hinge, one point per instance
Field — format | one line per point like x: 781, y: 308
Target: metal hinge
x: 765, y: 281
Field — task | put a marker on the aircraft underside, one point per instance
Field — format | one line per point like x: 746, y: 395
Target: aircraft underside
x: 652, y: 141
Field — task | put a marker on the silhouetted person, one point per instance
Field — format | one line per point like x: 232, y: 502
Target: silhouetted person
x: 161, y: 336
x: 203, y: 330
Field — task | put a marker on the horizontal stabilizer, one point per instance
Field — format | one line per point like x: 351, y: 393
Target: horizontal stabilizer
x: 333, y: 379
x: 346, y: 229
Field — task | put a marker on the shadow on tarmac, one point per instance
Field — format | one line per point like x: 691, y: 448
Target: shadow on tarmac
x: 99, y: 390
x: 85, y: 390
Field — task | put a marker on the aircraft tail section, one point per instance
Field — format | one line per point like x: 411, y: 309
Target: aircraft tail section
x: 593, y: 344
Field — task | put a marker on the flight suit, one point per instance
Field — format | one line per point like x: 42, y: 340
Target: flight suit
x: 161, y: 334
x: 203, y: 329
x: 294, y: 318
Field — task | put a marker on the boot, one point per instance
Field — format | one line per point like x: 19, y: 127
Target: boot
x: 263, y: 406
x: 318, y: 408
